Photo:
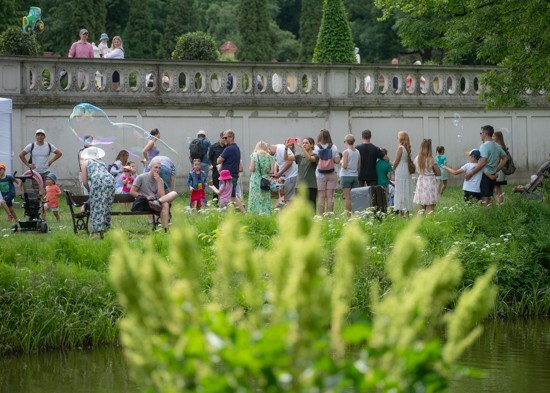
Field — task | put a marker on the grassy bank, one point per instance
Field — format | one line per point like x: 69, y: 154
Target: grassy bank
x: 54, y: 290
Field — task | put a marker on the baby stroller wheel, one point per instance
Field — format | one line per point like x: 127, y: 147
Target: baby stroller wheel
x: 15, y: 228
x: 43, y: 227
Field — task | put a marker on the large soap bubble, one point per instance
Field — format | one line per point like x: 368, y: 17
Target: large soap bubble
x: 87, y: 119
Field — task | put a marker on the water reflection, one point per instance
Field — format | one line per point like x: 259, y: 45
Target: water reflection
x: 515, y: 356
x: 101, y: 370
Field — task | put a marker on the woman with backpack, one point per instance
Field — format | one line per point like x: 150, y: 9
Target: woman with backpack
x: 327, y: 179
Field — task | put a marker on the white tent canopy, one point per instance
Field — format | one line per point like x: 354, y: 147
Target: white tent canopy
x: 5, y: 133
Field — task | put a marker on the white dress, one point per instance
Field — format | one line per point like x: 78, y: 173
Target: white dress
x: 403, y: 199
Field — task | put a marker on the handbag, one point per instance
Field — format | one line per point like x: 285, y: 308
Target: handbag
x: 140, y: 204
x: 265, y: 184
x: 410, y: 163
x: 510, y: 167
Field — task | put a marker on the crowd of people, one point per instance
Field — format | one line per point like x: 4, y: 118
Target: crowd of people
x: 309, y: 166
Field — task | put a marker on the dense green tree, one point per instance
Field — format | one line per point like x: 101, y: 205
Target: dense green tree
x: 182, y: 17
x: 288, y: 16
x: 137, y: 34
x: 377, y: 40
x: 196, y: 46
x: 219, y: 20
x: 254, y: 32
x: 285, y: 45
x: 310, y: 22
x: 335, y: 43
x: 13, y: 41
x: 117, y: 16
x: 513, y: 34
x: 9, y: 14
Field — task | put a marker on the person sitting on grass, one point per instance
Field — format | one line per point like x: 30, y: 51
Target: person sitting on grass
x: 471, y: 186
x: 51, y: 200
x: 151, y: 186
x: 7, y: 189
x: 196, y: 181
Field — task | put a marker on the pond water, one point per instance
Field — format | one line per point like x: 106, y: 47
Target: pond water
x: 514, y: 355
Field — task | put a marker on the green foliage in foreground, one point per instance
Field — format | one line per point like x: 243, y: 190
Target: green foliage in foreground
x: 276, y: 320
x: 14, y: 41
x: 34, y: 268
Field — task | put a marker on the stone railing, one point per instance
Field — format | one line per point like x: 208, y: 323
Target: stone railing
x: 61, y: 80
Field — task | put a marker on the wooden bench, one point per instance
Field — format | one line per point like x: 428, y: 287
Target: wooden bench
x: 81, y: 217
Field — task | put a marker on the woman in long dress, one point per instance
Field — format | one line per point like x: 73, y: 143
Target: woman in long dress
x: 403, y: 199
x: 101, y: 185
x: 427, y: 186
x: 261, y: 165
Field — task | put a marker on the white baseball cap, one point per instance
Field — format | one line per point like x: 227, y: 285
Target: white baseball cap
x: 40, y: 131
x: 201, y: 132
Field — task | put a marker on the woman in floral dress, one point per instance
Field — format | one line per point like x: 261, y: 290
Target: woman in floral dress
x: 427, y: 186
x: 259, y: 201
x: 101, y: 185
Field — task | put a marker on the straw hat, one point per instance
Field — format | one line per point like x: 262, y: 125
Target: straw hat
x: 92, y: 153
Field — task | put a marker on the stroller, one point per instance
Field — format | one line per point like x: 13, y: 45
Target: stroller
x: 277, y: 191
x: 31, y: 188
x: 529, y: 191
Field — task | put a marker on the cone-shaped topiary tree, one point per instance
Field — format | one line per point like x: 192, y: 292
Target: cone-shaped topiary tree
x: 335, y: 42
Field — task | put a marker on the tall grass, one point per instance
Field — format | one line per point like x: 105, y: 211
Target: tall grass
x: 54, y: 291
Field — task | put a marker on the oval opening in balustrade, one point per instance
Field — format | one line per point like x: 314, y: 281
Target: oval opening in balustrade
x: 245, y: 83
x: 476, y: 85
x: 357, y: 87
x: 133, y: 80
x: 82, y: 80
x: 464, y: 85
x: 229, y: 85
x: 199, y: 82
x: 182, y: 81
x: 291, y: 83
x: 306, y: 83
x: 368, y: 85
x: 65, y: 79
x: 451, y: 85
x: 320, y: 83
x: 383, y: 84
x: 410, y: 84
x: 46, y: 79
x: 100, y: 81
x: 215, y: 84
x: 437, y: 85
x: 150, y: 81
x: 166, y: 81
x: 115, y: 79
x: 276, y: 83
x: 260, y: 82
x: 32, y: 79
x: 424, y: 84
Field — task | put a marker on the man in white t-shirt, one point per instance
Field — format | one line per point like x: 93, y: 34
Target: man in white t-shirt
x: 287, y: 169
x: 40, y: 152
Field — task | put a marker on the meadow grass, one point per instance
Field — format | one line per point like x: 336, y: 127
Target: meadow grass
x: 54, y: 291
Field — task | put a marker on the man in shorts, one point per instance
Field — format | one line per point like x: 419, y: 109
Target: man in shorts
x: 40, y: 152
x: 493, y: 158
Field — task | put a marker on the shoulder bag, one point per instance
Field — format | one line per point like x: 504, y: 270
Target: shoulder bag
x: 265, y: 184
x: 412, y: 167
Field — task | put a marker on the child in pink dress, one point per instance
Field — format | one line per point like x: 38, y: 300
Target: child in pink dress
x: 226, y: 187
x: 127, y: 179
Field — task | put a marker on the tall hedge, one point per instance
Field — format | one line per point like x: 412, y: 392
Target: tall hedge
x: 182, y: 17
x: 335, y: 42
x: 137, y: 34
x: 254, y: 32
x: 14, y: 41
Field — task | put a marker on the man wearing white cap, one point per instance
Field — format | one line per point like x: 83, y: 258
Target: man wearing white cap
x: 40, y: 153
x: 198, y: 149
